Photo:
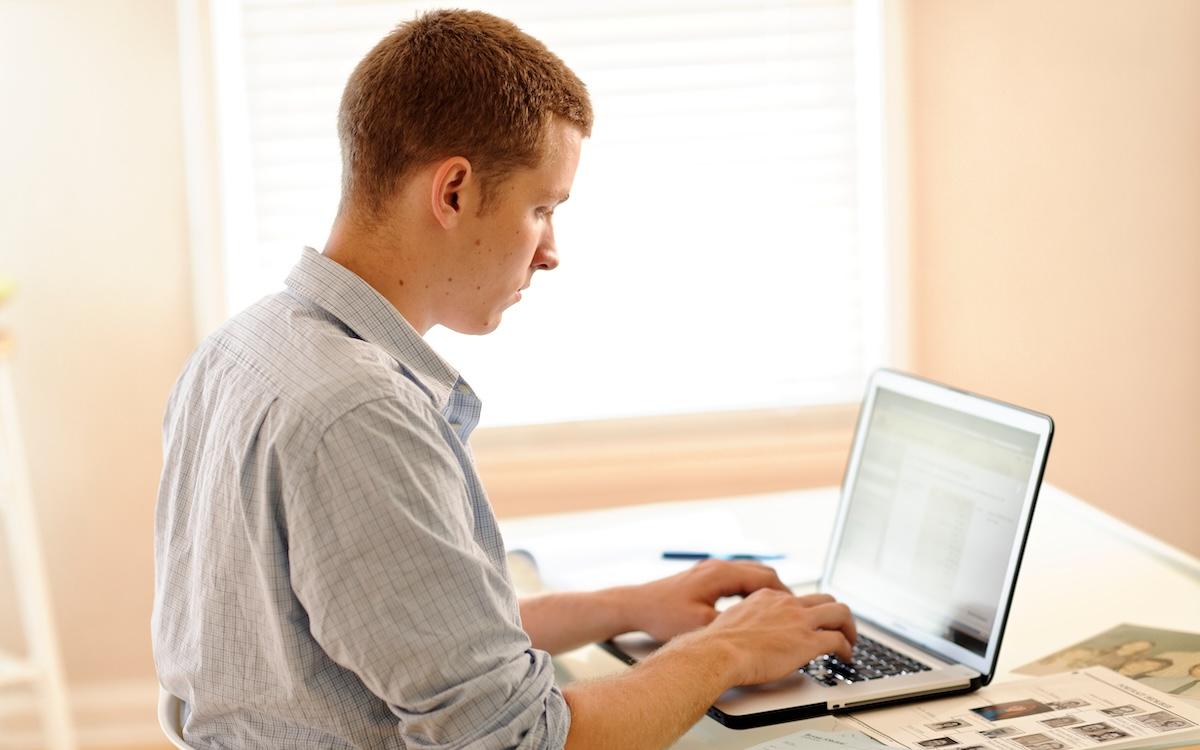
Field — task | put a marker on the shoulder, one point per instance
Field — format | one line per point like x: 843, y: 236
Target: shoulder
x: 305, y: 363
x: 391, y: 457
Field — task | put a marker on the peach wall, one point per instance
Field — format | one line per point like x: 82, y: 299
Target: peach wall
x: 1056, y: 233
x: 92, y: 225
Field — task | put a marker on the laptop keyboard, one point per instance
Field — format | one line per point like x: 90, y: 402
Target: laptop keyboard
x: 872, y: 660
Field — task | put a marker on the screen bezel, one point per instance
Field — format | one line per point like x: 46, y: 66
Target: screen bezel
x: 967, y: 403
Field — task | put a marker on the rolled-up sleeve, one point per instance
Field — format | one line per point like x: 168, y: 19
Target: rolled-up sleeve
x: 397, y: 589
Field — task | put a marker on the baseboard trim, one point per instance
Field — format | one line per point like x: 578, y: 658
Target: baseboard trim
x: 118, y: 714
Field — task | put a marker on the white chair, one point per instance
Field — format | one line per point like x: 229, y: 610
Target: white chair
x: 41, y: 668
x: 170, y: 718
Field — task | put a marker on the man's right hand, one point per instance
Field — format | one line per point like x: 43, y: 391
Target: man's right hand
x: 770, y: 634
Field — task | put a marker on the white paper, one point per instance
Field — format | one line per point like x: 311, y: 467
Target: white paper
x: 1090, y: 708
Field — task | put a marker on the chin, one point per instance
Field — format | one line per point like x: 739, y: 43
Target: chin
x: 487, y: 328
x: 476, y: 327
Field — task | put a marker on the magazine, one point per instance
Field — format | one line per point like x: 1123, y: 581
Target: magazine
x: 1090, y: 708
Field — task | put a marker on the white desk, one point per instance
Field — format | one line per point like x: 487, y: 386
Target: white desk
x: 1083, y: 572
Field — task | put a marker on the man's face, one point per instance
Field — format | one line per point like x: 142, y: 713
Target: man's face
x: 500, y: 248
x: 1138, y: 667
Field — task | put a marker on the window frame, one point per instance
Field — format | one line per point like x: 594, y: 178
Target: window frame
x: 538, y: 468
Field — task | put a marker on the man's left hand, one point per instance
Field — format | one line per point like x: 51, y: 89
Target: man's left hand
x: 686, y: 601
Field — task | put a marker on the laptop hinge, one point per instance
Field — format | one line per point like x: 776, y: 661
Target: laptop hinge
x: 905, y: 694
x: 907, y: 641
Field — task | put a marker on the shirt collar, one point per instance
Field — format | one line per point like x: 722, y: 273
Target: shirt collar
x: 372, y: 318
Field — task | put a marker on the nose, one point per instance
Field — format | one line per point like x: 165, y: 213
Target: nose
x: 546, y: 257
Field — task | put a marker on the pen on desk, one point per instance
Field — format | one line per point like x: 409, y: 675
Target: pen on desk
x: 680, y: 555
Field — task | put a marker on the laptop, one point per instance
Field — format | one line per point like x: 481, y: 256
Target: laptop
x: 935, y: 509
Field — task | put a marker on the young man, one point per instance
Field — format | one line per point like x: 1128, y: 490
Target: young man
x: 329, y: 571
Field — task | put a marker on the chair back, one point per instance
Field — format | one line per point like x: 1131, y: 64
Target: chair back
x: 170, y: 718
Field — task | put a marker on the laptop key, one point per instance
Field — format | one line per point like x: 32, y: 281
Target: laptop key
x: 872, y: 661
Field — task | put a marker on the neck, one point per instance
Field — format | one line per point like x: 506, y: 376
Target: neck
x: 395, y: 265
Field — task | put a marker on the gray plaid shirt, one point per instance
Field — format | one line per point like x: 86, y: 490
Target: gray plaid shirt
x: 329, y: 573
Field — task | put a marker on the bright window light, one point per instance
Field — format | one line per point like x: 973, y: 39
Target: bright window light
x: 721, y: 249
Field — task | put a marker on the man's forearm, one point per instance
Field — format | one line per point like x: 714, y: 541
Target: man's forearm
x: 562, y: 621
x: 766, y: 636
x: 653, y: 704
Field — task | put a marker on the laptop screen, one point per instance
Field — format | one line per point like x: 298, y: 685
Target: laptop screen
x: 931, y: 521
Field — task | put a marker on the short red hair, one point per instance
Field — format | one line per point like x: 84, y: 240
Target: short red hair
x: 451, y: 83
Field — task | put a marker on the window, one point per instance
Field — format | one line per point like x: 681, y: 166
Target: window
x: 723, y: 246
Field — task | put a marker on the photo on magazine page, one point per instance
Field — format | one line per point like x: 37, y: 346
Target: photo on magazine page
x: 1166, y: 660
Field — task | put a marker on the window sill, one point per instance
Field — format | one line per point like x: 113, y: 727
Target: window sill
x: 585, y: 465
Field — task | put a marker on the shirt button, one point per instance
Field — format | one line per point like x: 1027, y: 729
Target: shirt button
x: 464, y: 388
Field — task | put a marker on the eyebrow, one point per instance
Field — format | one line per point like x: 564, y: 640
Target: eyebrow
x: 555, y: 197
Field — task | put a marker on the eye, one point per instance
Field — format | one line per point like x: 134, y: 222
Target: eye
x: 544, y: 212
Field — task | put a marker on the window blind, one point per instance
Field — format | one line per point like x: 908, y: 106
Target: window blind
x: 710, y: 253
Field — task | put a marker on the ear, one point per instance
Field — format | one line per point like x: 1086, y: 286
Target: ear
x: 451, y: 179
